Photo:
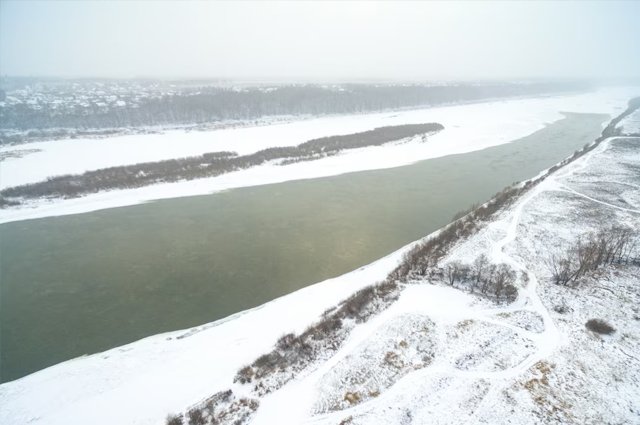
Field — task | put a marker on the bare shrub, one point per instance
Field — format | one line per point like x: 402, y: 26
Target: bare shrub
x: 613, y: 245
x: 323, y: 329
x: 354, y: 306
x: 196, y: 417
x: 221, y: 408
x: 454, y: 272
x: 510, y: 293
x: 286, y: 341
x: 244, y: 375
x: 267, y: 363
x: 503, y: 281
x: 462, y: 213
x: 560, y: 268
x: 600, y: 326
x: 7, y: 203
x: 561, y: 308
x: 346, y: 421
x: 174, y: 420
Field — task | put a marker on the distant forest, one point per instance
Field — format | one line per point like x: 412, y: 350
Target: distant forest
x: 214, y: 104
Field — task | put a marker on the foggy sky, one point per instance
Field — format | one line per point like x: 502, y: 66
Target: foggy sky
x: 320, y: 40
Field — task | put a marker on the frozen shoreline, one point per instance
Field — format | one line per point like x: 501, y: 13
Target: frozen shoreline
x: 468, y: 127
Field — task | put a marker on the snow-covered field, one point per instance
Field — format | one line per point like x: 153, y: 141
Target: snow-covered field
x: 468, y: 128
x: 436, y: 356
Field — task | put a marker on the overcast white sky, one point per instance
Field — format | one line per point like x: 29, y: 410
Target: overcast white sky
x: 320, y: 40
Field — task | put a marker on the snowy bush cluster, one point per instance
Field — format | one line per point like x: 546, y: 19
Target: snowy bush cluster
x: 493, y: 280
x: 220, y: 409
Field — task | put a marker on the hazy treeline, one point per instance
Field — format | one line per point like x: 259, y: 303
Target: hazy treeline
x: 212, y: 104
x: 206, y: 165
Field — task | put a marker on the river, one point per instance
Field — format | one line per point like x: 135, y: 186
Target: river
x: 84, y: 283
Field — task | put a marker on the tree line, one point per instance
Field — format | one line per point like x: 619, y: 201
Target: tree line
x: 213, y: 104
x: 206, y: 165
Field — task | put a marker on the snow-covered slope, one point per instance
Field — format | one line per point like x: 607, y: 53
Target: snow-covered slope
x: 468, y: 128
x: 631, y: 123
x: 436, y: 355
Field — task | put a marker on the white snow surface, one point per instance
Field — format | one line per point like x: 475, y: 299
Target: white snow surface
x: 468, y: 127
x: 631, y: 123
x: 519, y: 363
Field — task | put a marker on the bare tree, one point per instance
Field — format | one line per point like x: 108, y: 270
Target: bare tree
x: 503, y: 277
x: 560, y: 267
x: 487, y: 278
x: 454, y: 271
x: 592, y: 251
x: 480, y: 266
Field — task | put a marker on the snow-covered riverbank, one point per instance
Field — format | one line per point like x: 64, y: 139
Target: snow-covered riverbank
x: 467, y: 128
x: 530, y: 361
